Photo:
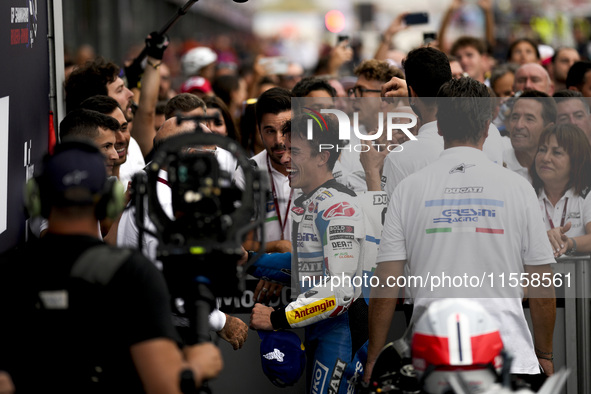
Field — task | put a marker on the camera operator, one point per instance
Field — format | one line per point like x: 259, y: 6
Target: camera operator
x: 86, y: 316
x: 229, y: 328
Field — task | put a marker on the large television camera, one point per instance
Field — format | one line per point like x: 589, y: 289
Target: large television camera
x: 200, y: 218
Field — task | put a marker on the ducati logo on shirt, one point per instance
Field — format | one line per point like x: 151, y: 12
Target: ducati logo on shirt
x: 462, y: 190
x: 340, y: 209
x: 380, y: 199
x: 460, y: 168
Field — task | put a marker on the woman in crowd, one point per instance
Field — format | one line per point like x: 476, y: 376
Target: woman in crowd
x: 522, y: 51
x: 225, y: 124
x: 561, y: 176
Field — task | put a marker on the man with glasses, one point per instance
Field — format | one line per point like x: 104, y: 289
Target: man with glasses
x: 371, y: 75
x: 359, y: 91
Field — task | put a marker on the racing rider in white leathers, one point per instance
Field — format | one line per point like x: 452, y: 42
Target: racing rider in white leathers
x: 327, y: 233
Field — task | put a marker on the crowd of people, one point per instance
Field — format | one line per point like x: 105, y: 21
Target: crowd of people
x: 495, y: 162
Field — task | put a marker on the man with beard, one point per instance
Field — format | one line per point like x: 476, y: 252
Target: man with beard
x: 273, y: 109
x: 562, y: 61
x: 102, y: 77
x: 572, y: 107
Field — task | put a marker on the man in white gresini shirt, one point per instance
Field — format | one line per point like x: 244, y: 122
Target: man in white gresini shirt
x: 464, y: 216
x: 228, y: 327
x: 426, y: 70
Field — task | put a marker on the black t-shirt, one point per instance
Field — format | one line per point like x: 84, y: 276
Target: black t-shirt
x: 62, y: 333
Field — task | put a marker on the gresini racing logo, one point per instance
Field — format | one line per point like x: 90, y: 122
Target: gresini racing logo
x: 345, y: 129
x: 464, y: 215
x: 276, y: 354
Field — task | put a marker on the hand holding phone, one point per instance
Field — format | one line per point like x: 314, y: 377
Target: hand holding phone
x: 417, y: 18
x: 343, y: 40
x: 429, y: 37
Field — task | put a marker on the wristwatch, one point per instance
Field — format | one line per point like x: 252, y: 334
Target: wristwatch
x: 572, y: 250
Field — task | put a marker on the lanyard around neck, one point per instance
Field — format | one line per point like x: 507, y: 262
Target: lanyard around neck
x: 563, y: 214
x: 282, y: 220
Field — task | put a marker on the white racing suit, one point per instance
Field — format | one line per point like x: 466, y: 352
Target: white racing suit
x: 328, y: 229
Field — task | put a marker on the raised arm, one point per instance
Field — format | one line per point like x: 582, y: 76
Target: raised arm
x: 382, y: 305
x: 441, y: 35
x: 143, y: 120
x: 396, y: 26
x: 542, y: 304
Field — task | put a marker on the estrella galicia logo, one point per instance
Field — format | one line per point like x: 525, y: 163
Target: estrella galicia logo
x: 460, y: 168
x: 464, y: 215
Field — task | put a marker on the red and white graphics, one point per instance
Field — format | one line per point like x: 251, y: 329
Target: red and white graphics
x: 456, y: 335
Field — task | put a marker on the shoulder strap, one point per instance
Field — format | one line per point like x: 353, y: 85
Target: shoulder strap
x: 110, y: 259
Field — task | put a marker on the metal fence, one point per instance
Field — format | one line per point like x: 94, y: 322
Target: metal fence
x: 573, y: 348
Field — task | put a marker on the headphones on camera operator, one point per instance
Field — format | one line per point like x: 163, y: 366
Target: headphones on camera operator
x: 41, y: 192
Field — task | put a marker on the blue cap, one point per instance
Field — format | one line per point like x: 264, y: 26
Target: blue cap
x: 283, y: 357
x: 74, y: 174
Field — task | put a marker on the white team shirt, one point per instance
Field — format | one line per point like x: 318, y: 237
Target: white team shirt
x: 349, y: 163
x: 425, y: 150
x: 283, y: 190
x: 513, y: 164
x: 134, y: 163
x: 576, y: 210
x: 462, y: 215
x: 414, y: 156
